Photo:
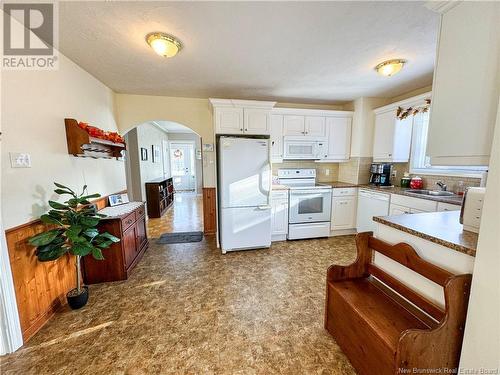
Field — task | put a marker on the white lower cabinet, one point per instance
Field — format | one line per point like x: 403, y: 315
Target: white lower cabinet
x: 448, y: 207
x: 395, y: 209
x: 344, y: 203
x: 279, y: 215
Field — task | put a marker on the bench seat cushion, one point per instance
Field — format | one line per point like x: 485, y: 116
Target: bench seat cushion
x: 381, y: 314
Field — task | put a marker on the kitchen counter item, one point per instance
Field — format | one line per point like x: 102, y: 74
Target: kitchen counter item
x: 405, y: 181
x: 442, y: 228
x: 416, y: 183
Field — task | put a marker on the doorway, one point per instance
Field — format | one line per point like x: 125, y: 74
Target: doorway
x: 182, y: 158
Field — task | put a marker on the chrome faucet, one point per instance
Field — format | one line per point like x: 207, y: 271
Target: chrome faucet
x: 442, y: 185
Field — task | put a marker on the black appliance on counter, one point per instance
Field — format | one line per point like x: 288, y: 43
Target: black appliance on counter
x: 380, y: 174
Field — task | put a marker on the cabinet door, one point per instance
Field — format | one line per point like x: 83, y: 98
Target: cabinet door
x: 229, y: 120
x: 279, y: 216
x: 141, y: 233
x: 402, y: 140
x: 339, y: 138
x: 315, y: 126
x: 256, y: 121
x: 343, y: 213
x: 398, y: 210
x: 129, y: 243
x: 383, y: 139
x: 277, y: 138
x: 293, y: 125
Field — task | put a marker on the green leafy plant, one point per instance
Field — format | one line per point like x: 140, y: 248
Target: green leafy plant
x: 75, y: 230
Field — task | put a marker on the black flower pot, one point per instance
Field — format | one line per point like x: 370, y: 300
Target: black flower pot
x: 77, y: 301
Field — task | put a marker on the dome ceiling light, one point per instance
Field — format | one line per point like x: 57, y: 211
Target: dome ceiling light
x: 390, y: 67
x: 164, y: 44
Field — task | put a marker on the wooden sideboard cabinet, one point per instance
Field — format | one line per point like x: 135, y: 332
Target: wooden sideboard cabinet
x: 120, y: 258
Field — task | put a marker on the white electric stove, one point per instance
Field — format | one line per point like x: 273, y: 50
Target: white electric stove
x: 309, y: 204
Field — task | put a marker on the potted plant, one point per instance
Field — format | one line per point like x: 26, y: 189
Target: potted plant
x: 73, y: 229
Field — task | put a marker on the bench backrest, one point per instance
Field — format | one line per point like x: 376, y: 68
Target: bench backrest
x: 408, y: 257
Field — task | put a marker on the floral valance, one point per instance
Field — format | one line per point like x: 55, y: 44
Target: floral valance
x: 403, y: 113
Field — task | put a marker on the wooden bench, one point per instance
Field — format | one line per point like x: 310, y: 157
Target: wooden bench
x: 381, y: 332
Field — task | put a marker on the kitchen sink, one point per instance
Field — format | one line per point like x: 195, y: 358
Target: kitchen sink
x: 436, y: 193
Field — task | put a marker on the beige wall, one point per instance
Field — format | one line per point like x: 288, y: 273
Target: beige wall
x: 196, y: 114
x: 34, y: 105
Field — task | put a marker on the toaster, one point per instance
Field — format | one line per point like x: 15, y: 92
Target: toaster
x: 472, y: 207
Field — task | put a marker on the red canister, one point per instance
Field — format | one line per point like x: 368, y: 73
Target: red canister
x: 416, y: 183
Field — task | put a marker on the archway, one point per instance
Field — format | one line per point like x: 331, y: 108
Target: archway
x: 169, y: 154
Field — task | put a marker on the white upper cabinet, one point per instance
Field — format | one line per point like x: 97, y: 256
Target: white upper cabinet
x: 276, y: 138
x: 229, y: 120
x: 241, y: 116
x: 294, y: 125
x: 256, y: 121
x: 315, y: 126
x: 466, y: 85
x: 392, y: 138
x: 338, y: 131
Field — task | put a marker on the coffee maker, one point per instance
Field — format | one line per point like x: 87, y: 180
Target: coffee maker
x: 380, y: 174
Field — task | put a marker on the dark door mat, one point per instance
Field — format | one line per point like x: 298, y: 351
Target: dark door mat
x: 182, y: 237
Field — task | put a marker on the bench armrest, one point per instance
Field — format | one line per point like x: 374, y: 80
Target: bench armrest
x: 360, y: 266
x: 439, y: 347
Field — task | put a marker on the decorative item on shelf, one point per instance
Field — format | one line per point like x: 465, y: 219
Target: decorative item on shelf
x: 416, y: 183
x: 74, y: 231
x: 144, y: 154
x: 402, y: 113
x: 89, y: 141
x: 117, y: 199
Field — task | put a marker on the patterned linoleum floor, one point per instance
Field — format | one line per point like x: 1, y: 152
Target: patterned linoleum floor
x: 187, y: 309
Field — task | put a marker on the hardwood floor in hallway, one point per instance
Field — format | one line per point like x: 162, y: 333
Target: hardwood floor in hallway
x: 188, y: 309
x: 185, y: 215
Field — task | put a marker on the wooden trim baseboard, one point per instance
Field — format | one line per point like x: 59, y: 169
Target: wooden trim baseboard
x: 209, y: 210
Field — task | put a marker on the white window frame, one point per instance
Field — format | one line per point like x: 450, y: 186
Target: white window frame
x: 419, y: 161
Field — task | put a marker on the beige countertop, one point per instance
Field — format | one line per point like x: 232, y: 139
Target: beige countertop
x: 279, y: 187
x: 443, y: 228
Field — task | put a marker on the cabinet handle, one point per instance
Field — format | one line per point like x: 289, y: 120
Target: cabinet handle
x: 390, y: 154
x: 241, y: 129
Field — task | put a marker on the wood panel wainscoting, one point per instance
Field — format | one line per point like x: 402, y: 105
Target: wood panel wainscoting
x: 209, y: 210
x: 40, y: 287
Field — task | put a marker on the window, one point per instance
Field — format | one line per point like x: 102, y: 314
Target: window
x: 420, y: 162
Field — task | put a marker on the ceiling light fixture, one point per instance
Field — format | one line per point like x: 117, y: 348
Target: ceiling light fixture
x: 164, y: 44
x: 390, y: 67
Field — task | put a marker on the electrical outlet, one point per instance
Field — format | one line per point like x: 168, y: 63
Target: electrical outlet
x: 394, y: 173
x: 20, y: 160
x: 327, y: 172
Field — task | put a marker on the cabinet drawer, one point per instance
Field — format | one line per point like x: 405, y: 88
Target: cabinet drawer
x: 416, y: 203
x: 140, y: 212
x: 448, y: 207
x: 128, y: 221
x: 344, y: 192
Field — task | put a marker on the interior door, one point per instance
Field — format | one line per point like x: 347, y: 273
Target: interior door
x: 182, y: 165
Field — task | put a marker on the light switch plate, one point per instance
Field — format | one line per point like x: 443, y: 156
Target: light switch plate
x: 20, y: 160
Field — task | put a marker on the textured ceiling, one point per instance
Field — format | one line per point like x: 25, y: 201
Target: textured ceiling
x: 318, y: 52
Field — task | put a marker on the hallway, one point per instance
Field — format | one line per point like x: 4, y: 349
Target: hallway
x: 185, y: 215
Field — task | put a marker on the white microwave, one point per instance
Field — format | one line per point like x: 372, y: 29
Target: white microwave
x: 300, y: 148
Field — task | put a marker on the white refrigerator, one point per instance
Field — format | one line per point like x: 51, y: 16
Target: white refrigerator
x: 244, y: 193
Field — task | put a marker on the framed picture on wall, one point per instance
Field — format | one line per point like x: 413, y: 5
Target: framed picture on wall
x: 144, y: 154
x: 155, y: 153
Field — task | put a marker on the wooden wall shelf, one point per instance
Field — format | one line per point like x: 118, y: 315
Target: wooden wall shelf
x: 81, y: 144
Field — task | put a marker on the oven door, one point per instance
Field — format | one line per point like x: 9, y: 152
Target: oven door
x: 309, y: 206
